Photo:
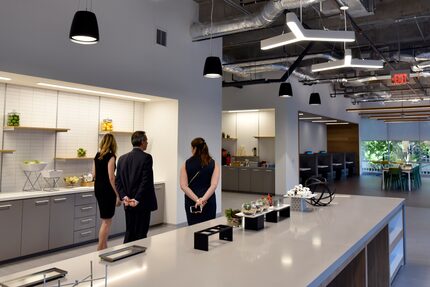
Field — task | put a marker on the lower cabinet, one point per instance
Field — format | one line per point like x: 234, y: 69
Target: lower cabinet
x: 269, y: 181
x: 61, y: 221
x: 84, y: 223
x: 11, y: 227
x: 229, y: 178
x: 118, y: 221
x: 257, y: 181
x: 244, y: 179
x: 35, y: 225
x: 157, y: 217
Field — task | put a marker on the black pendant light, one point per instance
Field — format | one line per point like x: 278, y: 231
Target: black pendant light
x: 315, y: 99
x: 84, y: 29
x: 213, y: 67
x: 285, y: 90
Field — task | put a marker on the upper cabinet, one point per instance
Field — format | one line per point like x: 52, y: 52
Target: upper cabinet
x: 266, y: 123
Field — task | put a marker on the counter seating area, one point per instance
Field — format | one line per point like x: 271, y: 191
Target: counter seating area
x: 328, y: 165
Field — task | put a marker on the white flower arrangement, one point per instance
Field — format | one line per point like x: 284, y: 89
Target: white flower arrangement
x: 299, y: 191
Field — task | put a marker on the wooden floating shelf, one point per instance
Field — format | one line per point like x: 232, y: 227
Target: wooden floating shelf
x: 7, y: 150
x: 264, y: 137
x: 115, y: 133
x: 73, y: 158
x: 19, y: 128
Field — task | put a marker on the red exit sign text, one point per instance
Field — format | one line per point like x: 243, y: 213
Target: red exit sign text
x: 399, y: 78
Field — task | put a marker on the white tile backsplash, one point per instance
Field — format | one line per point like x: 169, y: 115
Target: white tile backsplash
x: 81, y: 114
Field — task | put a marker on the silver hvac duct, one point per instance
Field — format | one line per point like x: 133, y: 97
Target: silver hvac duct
x: 268, y: 14
x: 279, y: 64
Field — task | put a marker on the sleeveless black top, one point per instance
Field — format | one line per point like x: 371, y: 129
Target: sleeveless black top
x: 200, y: 184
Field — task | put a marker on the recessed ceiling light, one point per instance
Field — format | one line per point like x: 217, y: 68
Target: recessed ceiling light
x: 5, y: 79
x: 337, y: 123
x: 87, y: 91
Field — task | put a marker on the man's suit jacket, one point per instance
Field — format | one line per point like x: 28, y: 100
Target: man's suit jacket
x: 135, y: 178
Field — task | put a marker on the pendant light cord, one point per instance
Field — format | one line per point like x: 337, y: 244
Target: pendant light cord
x: 344, y: 17
x: 301, y: 12
x: 212, y: 14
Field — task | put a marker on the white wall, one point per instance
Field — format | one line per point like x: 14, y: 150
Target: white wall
x: 378, y: 130
x: 127, y: 58
x: 312, y: 136
x: 287, y: 127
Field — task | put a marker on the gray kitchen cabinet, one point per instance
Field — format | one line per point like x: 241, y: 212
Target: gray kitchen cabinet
x: 84, y: 235
x: 244, y: 177
x: 11, y: 228
x: 257, y: 181
x: 269, y: 181
x: 230, y: 178
x: 85, y: 198
x: 61, y: 221
x: 85, y: 210
x: 157, y: 217
x: 35, y: 225
x: 118, y: 221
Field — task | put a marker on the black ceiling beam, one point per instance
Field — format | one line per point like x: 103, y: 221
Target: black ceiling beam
x: 296, y: 62
x: 240, y: 84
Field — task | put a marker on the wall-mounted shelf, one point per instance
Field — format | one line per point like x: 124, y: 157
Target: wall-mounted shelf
x: 230, y: 139
x: 264, y: 137
x: 73, y: 158
x: 20, y: 128
x: 7, y: 150
x: 115, y: 133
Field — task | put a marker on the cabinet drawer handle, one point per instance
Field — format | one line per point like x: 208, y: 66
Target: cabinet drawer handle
x: 86, y: 208
x: 86, y: 233
x: 41, y: 202
x: 6, y: 206
x: 86, y: 195
x: 244, y: 169
x: 268, y: 170
x: 86, y: 220
x: 60, y: 199
x: 256, y: 170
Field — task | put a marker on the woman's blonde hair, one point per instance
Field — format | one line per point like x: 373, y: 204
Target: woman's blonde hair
x: 107, y: 144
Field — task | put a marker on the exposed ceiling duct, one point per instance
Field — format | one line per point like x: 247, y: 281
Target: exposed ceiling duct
x: 273, y: 65
x: 268, y: 14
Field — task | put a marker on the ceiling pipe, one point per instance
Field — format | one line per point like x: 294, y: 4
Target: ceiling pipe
x: 271, y: 11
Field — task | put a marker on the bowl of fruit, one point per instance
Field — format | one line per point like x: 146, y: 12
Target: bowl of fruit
x: 71, y: 180
x: 33, y: 165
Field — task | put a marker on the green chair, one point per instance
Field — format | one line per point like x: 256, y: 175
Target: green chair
x: 395, y: 179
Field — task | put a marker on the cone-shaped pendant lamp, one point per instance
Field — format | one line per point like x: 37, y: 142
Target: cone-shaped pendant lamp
x: 84, y: 29
x: 315, y: 99
x: 213, y: 67
x: 285, y: 90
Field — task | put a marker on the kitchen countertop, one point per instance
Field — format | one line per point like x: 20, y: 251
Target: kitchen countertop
x: 249, y: 167
x: 7, y: 196
x: 304, y: 250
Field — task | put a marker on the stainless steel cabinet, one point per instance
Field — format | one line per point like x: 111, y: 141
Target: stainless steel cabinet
x: 230, y: 178
x: 244, y: 179
x: 61, y: 221
x: 11, y: 228
x: 35, y: 225
x: 157, y: 217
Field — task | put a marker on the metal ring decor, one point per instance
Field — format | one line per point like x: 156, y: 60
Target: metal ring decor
x: 319, y: 185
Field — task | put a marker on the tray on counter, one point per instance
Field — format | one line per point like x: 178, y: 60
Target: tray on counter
x: 35, y: 278
x: 122, y: 253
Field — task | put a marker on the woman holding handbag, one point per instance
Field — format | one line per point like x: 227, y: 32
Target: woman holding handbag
x: 199, y: 180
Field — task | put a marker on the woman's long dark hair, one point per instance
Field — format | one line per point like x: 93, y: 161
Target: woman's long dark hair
x: 202, y: 151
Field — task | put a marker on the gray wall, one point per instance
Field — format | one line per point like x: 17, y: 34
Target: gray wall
x: 312, y: 136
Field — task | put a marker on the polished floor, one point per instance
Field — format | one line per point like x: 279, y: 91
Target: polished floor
x: 416, y: 273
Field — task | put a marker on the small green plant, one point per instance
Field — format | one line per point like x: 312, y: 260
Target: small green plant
x: 81, y: 152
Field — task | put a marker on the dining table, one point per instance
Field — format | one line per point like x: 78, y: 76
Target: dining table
x: 407, y: 170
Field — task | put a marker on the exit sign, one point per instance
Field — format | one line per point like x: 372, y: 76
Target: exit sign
x: 400, y: 77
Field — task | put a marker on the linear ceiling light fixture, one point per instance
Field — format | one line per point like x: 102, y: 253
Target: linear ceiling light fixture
x: 5, y: 79
x: 332, y: 124
x: 213, y: 67
x: 85, y: 29
x: 401, y: 108
x: 348, y: 62
x: 406, y: 121
x: 325, y: 121
x: 243, y: 111
x: 87, y: 91
x: 299, y: 33
x: 399, y: 117
x: 311, y: 118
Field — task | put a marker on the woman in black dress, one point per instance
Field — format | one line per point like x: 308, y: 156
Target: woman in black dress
x: 199, y: 180
x: 104, y: 186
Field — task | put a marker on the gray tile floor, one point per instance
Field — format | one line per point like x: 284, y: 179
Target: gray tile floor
x: 416, y: 273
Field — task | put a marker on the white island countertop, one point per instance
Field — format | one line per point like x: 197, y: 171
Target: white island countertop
x: 304, y: 250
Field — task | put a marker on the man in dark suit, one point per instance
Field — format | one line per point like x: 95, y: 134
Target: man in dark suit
x: 135, y: 184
